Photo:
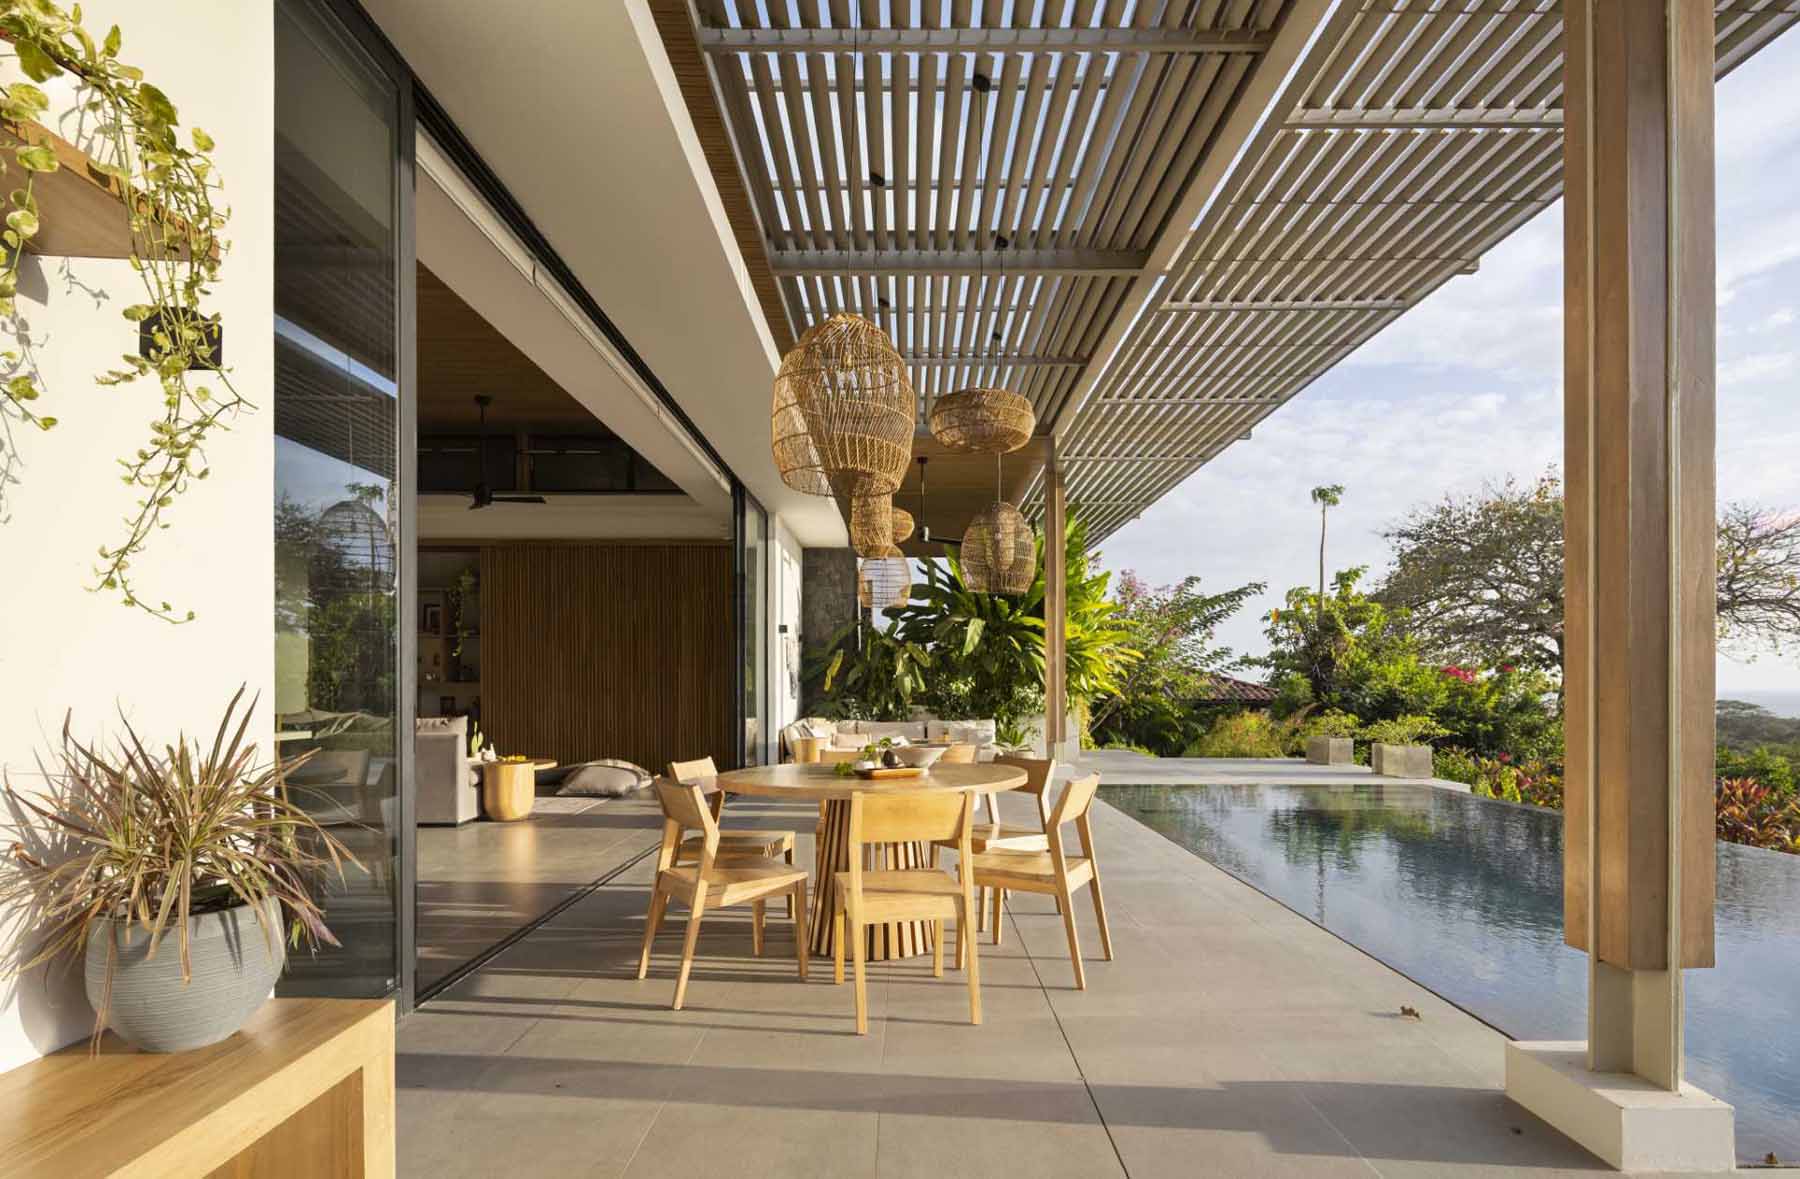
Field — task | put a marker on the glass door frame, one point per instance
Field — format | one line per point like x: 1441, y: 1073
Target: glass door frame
x: 357, y: 29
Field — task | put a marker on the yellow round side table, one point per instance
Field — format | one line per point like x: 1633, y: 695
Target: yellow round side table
x: 509, y: 788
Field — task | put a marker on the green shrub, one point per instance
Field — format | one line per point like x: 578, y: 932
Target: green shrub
x: 1456, y: 765
x: 1244, y: 734
x: 1762, y: 765
x: 1749, y: 812
x: 1410, y: 729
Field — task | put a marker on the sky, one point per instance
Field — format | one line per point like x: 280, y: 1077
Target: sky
x: 1467, y: 388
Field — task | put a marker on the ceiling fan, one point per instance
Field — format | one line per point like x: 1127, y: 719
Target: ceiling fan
x: 482, y: 495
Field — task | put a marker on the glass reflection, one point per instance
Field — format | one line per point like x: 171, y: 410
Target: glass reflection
x: 337, y: 501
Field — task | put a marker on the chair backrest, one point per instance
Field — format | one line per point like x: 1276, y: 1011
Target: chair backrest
x: 915, y: 815
x: 690, y: 771
x: 684, y: 808
x: 960, y: 753
x: 1038, y: 771
x: 1076, y: 798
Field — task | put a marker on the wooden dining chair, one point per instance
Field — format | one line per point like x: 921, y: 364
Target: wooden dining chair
x: 733, y: 841
x: 864, y: 897
x: 713, y: 882
x: 1054, y: 872
x: 993, y: 835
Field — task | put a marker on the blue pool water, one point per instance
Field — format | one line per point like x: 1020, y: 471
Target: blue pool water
x: 1464, y: 895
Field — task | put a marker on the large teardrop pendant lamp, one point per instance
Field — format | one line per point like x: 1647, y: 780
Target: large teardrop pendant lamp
x: 843, y: 418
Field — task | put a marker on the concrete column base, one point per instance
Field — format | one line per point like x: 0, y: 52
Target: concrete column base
x: 1622, y: 1118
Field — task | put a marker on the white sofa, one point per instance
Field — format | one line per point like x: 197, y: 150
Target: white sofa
x: 448, y: 781
x: 854, y: 734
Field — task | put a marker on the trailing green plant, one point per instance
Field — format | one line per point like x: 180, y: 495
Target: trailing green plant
x: 168, y: 187
x: 149, y: 839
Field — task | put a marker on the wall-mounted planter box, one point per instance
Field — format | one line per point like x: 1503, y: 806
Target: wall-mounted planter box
x: 1400, y: 761
x: 1330, y: 751
x: 81, y: 208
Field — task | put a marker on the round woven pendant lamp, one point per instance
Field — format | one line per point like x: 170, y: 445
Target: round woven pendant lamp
x: 872, y: 525
x: 843, y: 417
x: 999, y: 553
x: 992, y: 421
x: 884, y: 582
x: 903, y: 524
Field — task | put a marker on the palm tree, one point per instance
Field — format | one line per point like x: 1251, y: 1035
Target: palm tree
x: 1326, y: 497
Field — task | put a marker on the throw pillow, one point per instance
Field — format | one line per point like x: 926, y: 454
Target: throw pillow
x: 605, y: 778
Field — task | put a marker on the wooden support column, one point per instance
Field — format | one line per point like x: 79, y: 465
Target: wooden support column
x: 1056, y: 610
x: 1639, y: 415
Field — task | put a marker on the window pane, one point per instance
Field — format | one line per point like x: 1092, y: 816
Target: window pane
x: 337, y: 500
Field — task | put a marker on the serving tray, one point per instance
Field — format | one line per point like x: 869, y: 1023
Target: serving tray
x: 893, y: 772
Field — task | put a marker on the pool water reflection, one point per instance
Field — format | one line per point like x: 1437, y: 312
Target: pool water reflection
x: 1464, y: 895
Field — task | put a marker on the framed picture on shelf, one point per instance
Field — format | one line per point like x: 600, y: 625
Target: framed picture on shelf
x: 431, y: 618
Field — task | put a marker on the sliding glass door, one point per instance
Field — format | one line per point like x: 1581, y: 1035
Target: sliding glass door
x: 343, y: 446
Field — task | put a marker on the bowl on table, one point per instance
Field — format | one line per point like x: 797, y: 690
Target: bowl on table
x: 920, y: 756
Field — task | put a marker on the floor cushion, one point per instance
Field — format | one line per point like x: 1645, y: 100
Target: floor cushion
x: 606, y: 777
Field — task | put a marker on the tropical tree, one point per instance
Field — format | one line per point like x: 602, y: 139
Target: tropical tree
x: 1327, y: 497
x: 1482, y: 575
x: 1171, y: 627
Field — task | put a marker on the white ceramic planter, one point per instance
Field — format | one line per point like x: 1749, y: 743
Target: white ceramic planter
x: 236, y: 962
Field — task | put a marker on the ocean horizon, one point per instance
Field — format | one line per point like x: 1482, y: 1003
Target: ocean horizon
x: 1779, y: 703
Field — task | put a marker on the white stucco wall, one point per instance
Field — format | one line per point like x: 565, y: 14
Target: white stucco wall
x: 60, y: 646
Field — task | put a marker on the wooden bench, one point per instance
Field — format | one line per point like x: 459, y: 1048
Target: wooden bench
x: 305, y: 1089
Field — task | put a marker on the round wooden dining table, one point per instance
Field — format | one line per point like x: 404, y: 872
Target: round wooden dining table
x: 821, y: 783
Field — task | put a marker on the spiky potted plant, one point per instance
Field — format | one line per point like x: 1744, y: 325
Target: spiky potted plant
x: 128, y: 849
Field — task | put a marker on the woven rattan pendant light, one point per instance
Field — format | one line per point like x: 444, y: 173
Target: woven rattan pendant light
x: 982, y: 419
x: 999, y: 553
x: 843, y: 416
x: 872, y: 525
x: 884, y: 582
x: 903, y: 524
x: 842, y: 423
x: 987, y: 420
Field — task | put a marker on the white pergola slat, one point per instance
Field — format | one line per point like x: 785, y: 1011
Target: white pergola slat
x: 1411, y: 138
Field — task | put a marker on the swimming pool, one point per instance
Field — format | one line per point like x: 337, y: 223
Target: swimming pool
x: 1464, y: 895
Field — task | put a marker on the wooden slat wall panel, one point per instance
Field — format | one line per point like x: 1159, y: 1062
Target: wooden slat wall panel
x: 609, y: 651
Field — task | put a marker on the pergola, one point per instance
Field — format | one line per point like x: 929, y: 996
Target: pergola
x: 1161, y: 221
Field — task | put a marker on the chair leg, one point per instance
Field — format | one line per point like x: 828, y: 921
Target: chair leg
x: 962, y: 935
x: 837, y: 945
x: 659, y: 901
x: 756, y: 929
x: 1068, y: 912
x: 981, y: 909
x: 862, y: 982
x: 937, y: 948
x: 789, y: 856
x: 999, y: 913
x: 687, y: 945
x: 1100, y: 917
x: 974, y: 964
x: 797, y: 904
x: 932, y: 862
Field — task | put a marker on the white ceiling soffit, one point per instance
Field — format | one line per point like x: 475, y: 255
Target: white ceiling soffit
x: 578, y: 112
x: 1411, y: 137
x: 465, y: 244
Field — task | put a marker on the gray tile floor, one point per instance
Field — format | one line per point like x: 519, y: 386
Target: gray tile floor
x: 1230, y: 1037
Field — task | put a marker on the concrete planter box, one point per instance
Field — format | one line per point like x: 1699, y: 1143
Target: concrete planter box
x: 1400, y: 761
x: 1330, y: 751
